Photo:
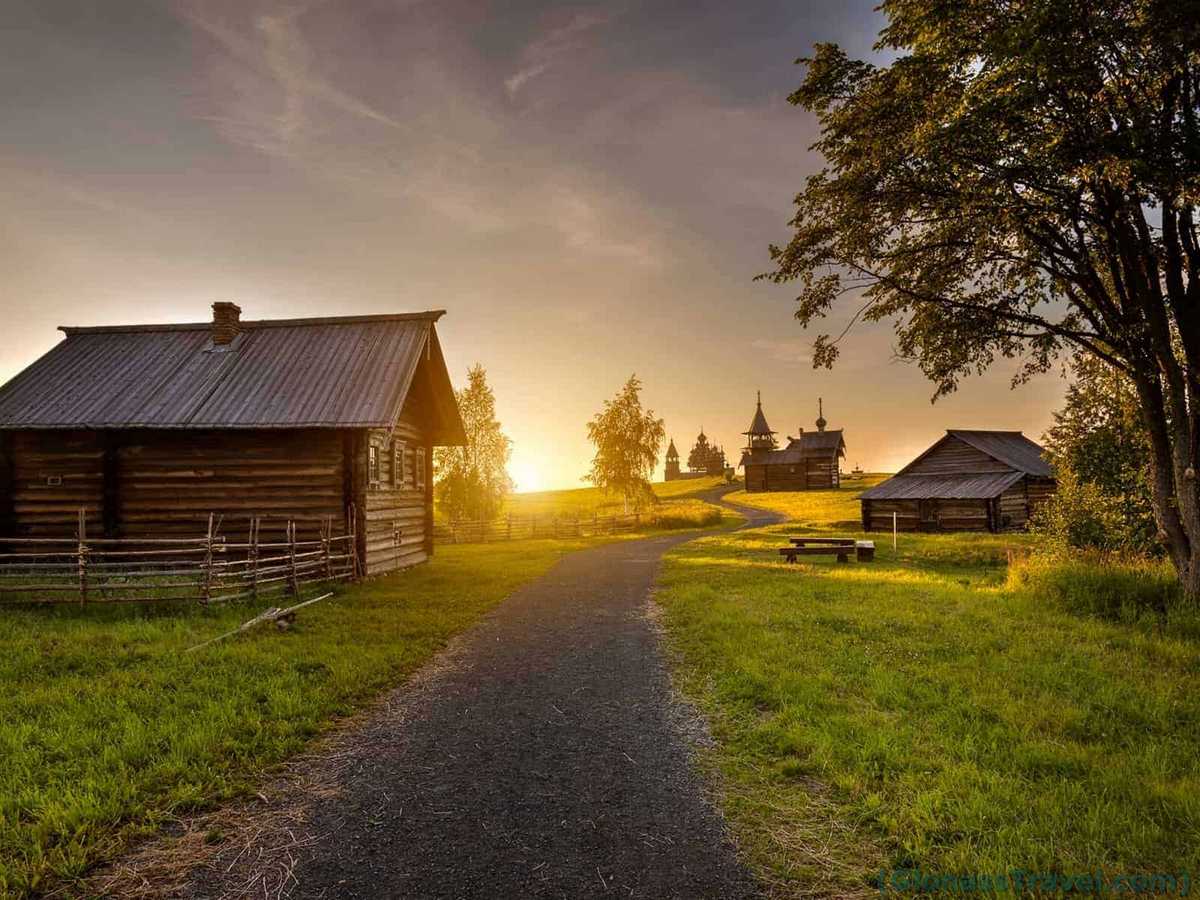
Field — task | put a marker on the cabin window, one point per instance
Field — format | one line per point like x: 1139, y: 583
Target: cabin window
x: 398, y: 459
x: 420, y: 451
x: 373, y: 465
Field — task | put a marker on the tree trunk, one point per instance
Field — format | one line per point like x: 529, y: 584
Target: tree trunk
x: 1173, y: 483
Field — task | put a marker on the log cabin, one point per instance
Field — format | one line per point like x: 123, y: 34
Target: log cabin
x: 149, y: 429
x: 967, y: 481
x: 810, y: 462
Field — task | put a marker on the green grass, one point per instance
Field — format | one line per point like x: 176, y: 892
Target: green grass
x: 927, y: 710
x: 109, y: 728
x: 592, y: 501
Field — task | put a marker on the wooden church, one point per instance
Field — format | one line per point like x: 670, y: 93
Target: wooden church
x: 809, y: 462
x: 706, y: 458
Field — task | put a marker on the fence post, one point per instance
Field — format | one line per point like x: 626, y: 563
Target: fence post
x: 357, y: 563
x: 252, y: 556
x: 293, y: 580
x: 894, y: 529
x: 396, y: 534
x: 83, y: 554
x: 206, y: 580
x: 508, y: 528
x: 326, y: 535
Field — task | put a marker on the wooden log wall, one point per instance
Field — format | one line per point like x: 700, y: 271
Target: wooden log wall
x: 168, y: 482
x: 163, y: 484
x: 52, y: 475
x: 949, y: 515
x: 812, y: 474
x: 397, y: 501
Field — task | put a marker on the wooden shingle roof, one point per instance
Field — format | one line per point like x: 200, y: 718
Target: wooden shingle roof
x: 341, y: 372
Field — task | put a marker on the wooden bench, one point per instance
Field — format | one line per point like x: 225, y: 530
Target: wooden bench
x: 841, y: 551
x: 864, y: 551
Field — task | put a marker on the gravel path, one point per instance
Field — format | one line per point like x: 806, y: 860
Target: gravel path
x: 546, y: 756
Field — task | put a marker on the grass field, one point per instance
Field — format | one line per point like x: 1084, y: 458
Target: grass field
x: 926, y: 710
x: 589, y: 501
x: 108, y: 727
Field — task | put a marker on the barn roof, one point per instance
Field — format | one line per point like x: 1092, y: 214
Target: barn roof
x: 943, y: 487
x: 341, y: 372
x: 1010, y: 447
x: 1013, y: 449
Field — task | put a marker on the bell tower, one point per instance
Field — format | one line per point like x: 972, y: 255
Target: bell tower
x: 672, y: 468
x: 759, y: 436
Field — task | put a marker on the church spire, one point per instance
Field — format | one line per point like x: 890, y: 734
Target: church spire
x: 821, y: 423
x: 760, y: 433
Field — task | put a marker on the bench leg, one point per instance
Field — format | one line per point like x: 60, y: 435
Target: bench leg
x: 843, y: 557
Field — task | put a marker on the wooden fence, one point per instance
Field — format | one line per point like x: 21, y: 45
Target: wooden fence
x: 514, y: 528
x: 207, y: 569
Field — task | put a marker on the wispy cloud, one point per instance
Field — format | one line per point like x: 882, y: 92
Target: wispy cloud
x: 789, y: 352
x: 552, y: 48
x: 270, y: 44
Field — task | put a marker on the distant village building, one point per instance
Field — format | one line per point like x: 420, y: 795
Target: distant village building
x: 808, y: 462
x: 705, y: 459
x: 149, y: 429
x: 672, y: 472
x: 967, y: 481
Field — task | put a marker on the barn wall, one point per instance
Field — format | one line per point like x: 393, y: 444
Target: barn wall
x: 163, y: 483
x: 52, y: 474
x: 169, y: 482
x: 1018, y: 504
x: 398, y: 511
x: 948, y: 515
x: 951, y: 456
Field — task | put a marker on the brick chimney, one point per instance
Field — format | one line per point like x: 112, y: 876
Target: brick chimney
x: 226, y: 322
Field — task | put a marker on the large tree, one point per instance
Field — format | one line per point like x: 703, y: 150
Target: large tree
x: 1021, y: 179
x: 627, y: 440
x: 473, y: 480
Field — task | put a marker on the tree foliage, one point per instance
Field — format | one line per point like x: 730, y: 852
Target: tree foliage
x: 627, y: 441
x: 1020, y: 181
x: 1101, y: 455
x: 473, y: 480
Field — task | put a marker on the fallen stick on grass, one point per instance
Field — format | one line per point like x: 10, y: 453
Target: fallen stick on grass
x: 274, y: 614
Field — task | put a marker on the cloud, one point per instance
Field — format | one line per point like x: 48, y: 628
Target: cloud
x: 443, y: 143
x: 551, y: 48
x: 789, y: 353
x: 271, y: 45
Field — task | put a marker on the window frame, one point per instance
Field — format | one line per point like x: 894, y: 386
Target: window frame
x: 419, y: 476
x: 373, y: 473
x: 399, y: 463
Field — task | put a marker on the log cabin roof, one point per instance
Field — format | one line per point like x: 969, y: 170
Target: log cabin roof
x: 341, y: 372
x: 943, y: 487
x: 1010, y: 447
x: 1010, y: 450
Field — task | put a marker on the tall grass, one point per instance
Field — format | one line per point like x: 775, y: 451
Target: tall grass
x: 1122, y: 589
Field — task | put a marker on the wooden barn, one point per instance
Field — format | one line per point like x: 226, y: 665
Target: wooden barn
x: 810, y: 462
x: 150, y: 428
x: 967, y: 481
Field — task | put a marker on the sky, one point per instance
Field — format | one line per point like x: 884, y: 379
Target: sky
x: 588, y: 189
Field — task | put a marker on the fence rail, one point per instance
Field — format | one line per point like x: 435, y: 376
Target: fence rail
x: 207, y: 569
x: 515, y: 528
